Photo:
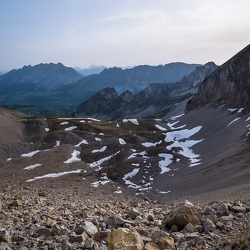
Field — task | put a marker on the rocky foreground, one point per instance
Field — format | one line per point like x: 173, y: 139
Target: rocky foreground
x: 41, y: 219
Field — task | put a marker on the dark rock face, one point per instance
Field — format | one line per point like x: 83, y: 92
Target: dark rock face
x: 229, y: 84
x: 106, y: 104
x: 100, y: 101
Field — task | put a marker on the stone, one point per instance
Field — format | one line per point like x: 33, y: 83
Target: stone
x: 183, y: 214
x: 125, y: 239
x: 43, y: 231
x: 189, y: 228
x: 5, y: 236
x: 208, y: 225
x: 132, y: 213
x: 89, y: 228
x: 222, y: 210
x: 238, y: 209
x: 151, y: 246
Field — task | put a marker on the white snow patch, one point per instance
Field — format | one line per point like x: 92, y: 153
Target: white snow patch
x: 99, y: 150
x: 33, y: 166
x: 171, y: 125
x: 164, y: 192
x: 143, y: 153
x: 9, y: 159
x: 46, y: 129
x: 168, y: 159
x: 74, y: 157
x: 134, y: 120
x: 240, y: 110
x: 82, y: 142
x: 99, y: 162
x: 232, y: 110
x: 70, y: 128
x: 121, y: 141
x: 135, y: 164
x: 177, y: 116
x: 31, y: 153
x: 176, y: 136
x: 101, y: 134
x: 151, y: 144
x: 104, y: 180
x: 160, y: 127
x: 236, y: 119
x: 64, y: 123
x: 248, y: 119
x: 92, y: 119
x: 57, y: 143
x: 55, y: 175
x: 82, y: 121
x: 117, y: 125
x: 129, y: 176
x: 98, y: 139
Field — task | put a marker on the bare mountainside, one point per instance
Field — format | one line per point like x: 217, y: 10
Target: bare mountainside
x: 85, y: 183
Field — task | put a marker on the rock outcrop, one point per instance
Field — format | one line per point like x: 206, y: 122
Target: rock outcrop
x: 229, y: 84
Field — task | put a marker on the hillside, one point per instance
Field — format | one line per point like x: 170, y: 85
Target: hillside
x: 180, y: 182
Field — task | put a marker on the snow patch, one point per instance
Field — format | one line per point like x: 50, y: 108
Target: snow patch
x: 31, y: 153
x: 236, y: 119
x: 74, y: 157
x: 64, y: 123
x: 101, y: 161
x: 121, y: 141
x: 46, y: 129
x: 160, y: 127
x: 134, y: 120
x: 151, y: 144
x: 168, y: 159
x: 33, y: 166
x: 70, y: 128
x: 55, y: 175
x: 99, y: 150
x: 103, y: 180
x: 82, y: 142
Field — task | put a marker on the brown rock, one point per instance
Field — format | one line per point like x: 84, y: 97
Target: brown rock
x: 183, y: 214
x: 125, y: 239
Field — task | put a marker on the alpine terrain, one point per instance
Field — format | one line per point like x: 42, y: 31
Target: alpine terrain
x: 178, y: 181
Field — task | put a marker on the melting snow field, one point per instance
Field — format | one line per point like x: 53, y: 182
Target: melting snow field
x: 70, y: 128
x: 168, y: 159
x: 131, y: 120
x: 74, y: 157
x: 31, y: 153
x: 236, y: 119
x: 179, y: 139
x: 33, y: 166
x: 55, y: 175
x: 82, y: 142
x: 121, y: 141
x: 99, y: 150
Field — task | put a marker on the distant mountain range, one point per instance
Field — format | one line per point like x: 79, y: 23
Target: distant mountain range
x: 153, y: 101
x: 53, y: 89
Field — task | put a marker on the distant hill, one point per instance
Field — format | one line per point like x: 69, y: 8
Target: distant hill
x: 39, y: 77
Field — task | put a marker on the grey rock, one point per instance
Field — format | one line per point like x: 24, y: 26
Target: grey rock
x: 208, y: 225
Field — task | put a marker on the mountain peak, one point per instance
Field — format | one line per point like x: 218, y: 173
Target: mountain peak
x: 229, y: 84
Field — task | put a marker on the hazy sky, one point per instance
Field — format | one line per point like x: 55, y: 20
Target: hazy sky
x: 121, y: 32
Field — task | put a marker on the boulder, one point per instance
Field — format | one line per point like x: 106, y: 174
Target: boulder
x: 180, y: 216
x: 125, y: 239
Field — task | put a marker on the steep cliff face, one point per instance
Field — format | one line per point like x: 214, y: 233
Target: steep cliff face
x: 229, y: 84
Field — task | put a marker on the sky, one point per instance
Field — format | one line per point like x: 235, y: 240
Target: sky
x: 121, y: 32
